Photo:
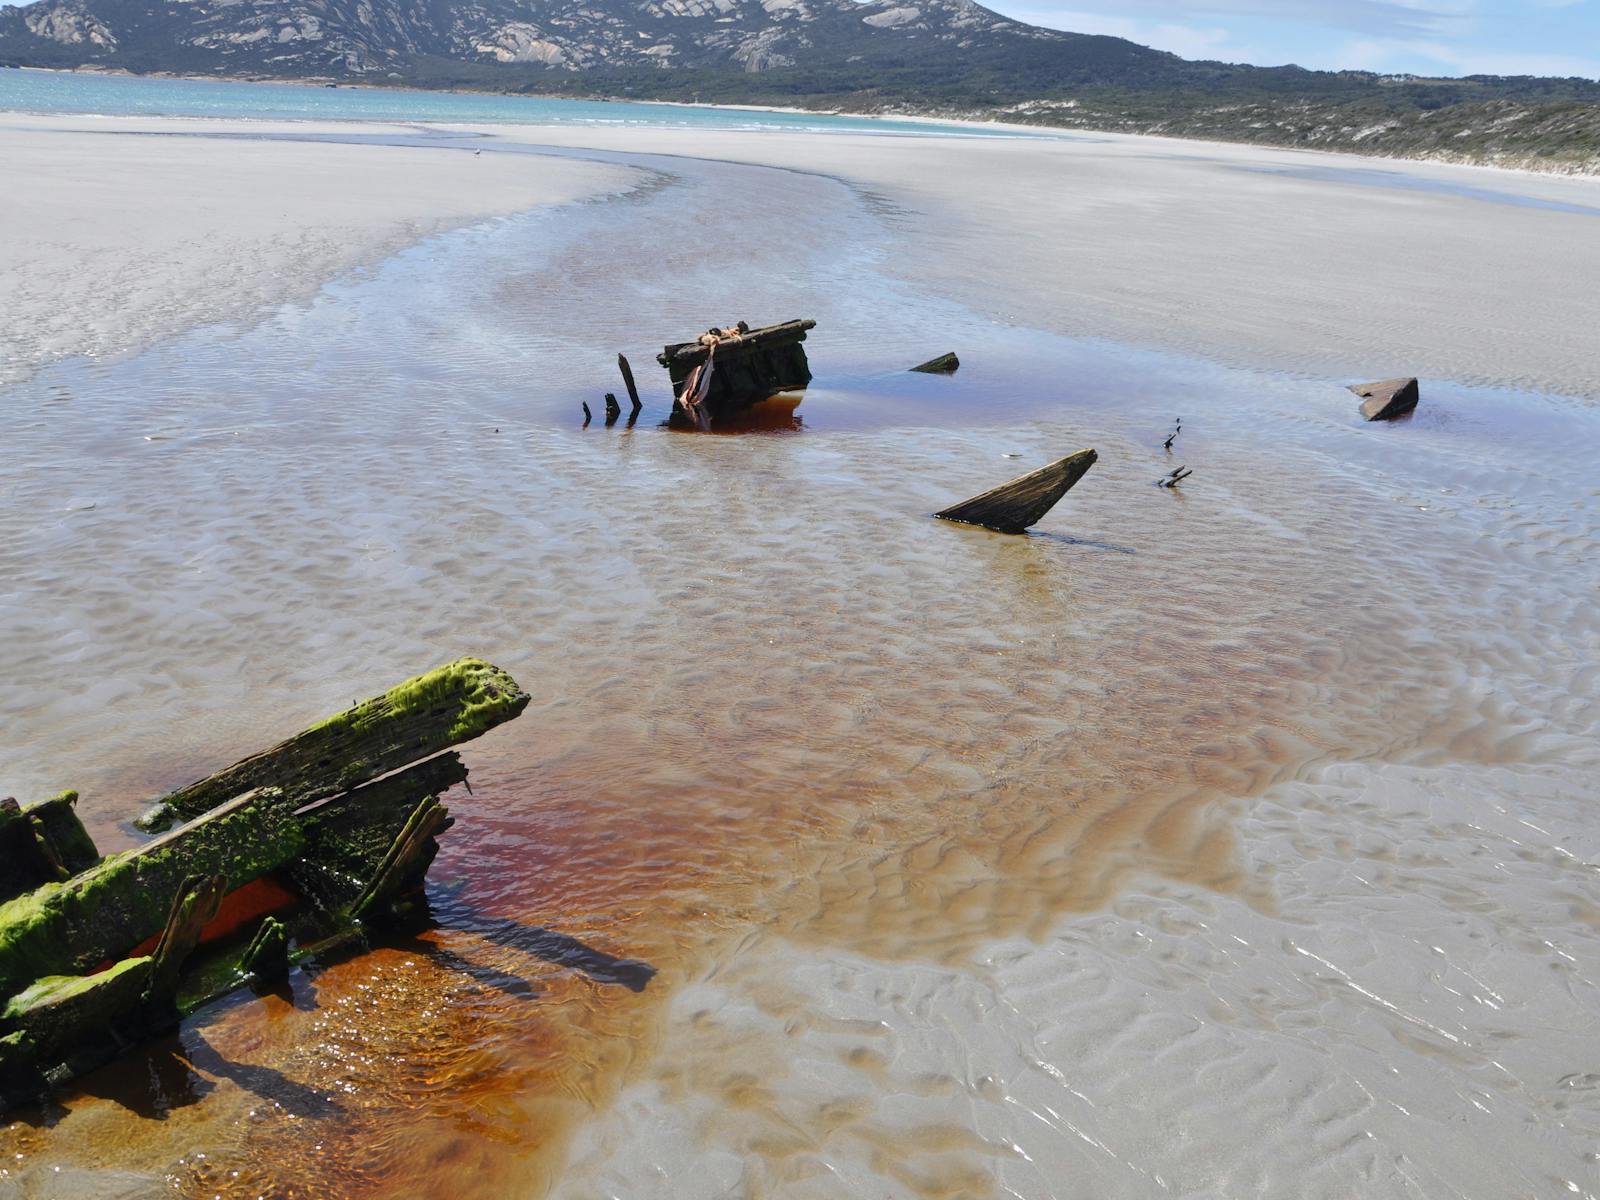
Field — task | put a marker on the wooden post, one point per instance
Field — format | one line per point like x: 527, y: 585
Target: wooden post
x: 627, y: 381
x: 613, y: 409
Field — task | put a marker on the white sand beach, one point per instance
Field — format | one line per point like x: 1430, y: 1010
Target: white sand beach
x: 110, y: 240
x: 1231, y: 840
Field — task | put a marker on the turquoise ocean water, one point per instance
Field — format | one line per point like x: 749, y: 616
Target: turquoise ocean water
x: 123, y: 95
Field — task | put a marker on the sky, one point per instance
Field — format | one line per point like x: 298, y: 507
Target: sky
x: 1422, y: 37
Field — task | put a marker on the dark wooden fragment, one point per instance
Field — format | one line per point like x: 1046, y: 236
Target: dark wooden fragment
x: 945, y: 364
x: 1387, y: 398
x: 58, y: 827
x: 348, y: 838
x: 627, y: 381
x: 587, y: 415
x: 747, y: 369
x: 450, y: 705
x: 25, y: 861
x: 267, y: 955
x: 1013, y: 506
x: 613, y: 409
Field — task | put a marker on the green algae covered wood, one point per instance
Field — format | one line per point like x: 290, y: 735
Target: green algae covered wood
x: 422, y: 716
x: 71, y: 927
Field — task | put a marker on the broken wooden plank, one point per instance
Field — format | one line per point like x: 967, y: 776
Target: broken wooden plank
x: 447, y: 706
x: 70, y: 927
x: 945, y: 364
x: 1387, y: 398
x: 1013, y: 506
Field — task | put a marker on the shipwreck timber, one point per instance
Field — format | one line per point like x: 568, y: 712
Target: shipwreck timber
x: 1013, y: 506
x: 725, y: 371
x: 283, y: 854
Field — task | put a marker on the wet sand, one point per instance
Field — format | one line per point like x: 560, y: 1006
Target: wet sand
x: 111, y: 241
x: 1228, y: 840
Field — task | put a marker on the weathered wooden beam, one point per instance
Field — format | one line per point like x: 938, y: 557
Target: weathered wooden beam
x: 97, y: 916
x: 688, y: 354
x: 422, y: 716
x: 945, y: 364
x: 1387, y: 398
x: 613, y: 409
x: 57, y: 1012
x: 1013, y: 506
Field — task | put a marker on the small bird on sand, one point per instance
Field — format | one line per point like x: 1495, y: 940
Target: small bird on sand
x: 475, y: 153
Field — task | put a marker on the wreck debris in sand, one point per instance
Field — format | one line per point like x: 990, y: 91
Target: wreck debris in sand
x: 285, y: 854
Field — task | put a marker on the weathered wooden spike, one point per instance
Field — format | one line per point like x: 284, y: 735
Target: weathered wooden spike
x: 426, y: 714
x: 613, y: 409
x: 945, y: 364
x: 267, y: 955
x: 193, y: 908
x: 627, y: 382
x: 587, y: 415
x: 1387, y: 398
x: 399, y: 865
x: 1013, y: 507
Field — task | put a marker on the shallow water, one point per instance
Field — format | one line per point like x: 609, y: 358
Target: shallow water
x: 1169, y: 850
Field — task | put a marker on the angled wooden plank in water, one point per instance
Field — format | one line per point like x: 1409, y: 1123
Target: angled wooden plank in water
x: 1013, y: 506
x: 1386, y: 399
x: 422, y: 716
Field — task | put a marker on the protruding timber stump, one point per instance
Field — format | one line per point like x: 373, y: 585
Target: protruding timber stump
x: 945, y: 364
x: 1387, y: 398
x: 1013, y: 507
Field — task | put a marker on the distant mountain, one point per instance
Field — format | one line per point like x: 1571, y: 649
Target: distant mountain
x: 952, y: 57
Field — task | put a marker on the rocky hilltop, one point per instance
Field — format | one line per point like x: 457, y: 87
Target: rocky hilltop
x: 947, y: 57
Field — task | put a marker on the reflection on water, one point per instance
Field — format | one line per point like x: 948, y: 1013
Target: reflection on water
x: 789, y: 737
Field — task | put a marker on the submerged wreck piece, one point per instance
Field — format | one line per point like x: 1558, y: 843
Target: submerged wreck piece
x: 724, y: 371
x: 287, y: 853
x: 945, y: 364
x: 1012, y: 507
x: 1386, y: 399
